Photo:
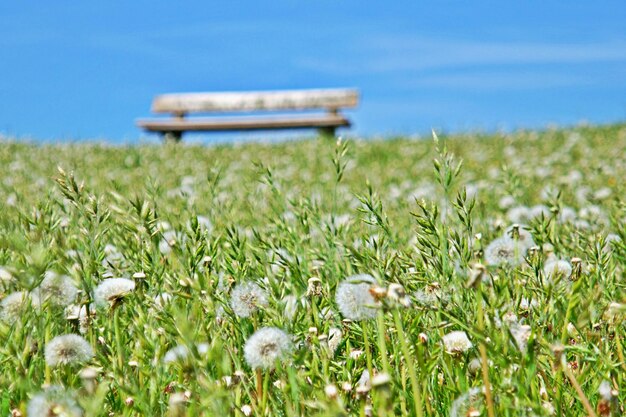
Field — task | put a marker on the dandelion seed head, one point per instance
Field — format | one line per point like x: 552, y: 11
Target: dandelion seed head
x: 469, y: 402
x: 5, y: 275
x: 246, y: 298
x: 567, y: 215
x: 539, y: 210
x: 557, y: 268
x: 518, y: 214
x: 334, y: 338
x: 56, y: 289
x: 67, y: 349
x: 520, y: 234
x: 111, y: 290
x: 266, y: 346
x: 354, y: 299
x: 13, y: 305
x: 170, y: 239
x: 290, y: 307
x: 456, y: 342
x: 162, y: 299
x: 504, y: 251
x: 182, y: 352
x: 54, y: 401
x: 521, y: 334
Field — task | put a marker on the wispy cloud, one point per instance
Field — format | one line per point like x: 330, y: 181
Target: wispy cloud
x: 392, y: 54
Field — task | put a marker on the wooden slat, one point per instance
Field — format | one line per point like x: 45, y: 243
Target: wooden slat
x: 255, y: 100
x: 243, y: 123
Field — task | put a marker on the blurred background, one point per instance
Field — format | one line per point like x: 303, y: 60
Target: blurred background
x: 75, y: 71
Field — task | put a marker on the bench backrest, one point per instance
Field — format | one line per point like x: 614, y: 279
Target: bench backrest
x: 255, y: 100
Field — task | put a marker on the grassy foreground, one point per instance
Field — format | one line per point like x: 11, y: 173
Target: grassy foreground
x: 218, y: 243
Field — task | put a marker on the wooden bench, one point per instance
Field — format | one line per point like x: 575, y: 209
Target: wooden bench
x: 181, y: 105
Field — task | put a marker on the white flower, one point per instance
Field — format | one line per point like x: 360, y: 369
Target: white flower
x: 54, y: 401
x: 354, y: 299
x: 12, y: 306
x: 181, y: 352
x: 67, y: 349
x: 56, y: 289
x: 505, y: 250
x: 246, y: 298
x: 111, y: 290
x: 557, y: 268
x: 456, y: 342
x: 266, y: 346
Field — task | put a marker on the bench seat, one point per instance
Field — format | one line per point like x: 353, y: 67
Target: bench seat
x: 181, y: 105
x: 243, y: 123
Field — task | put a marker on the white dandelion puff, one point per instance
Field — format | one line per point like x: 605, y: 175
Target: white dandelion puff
x: 56, y: 289
x: 505, y: 251
x: 162, y: 299
x: 5, y: 275
x: 518, y: 214
x: 456, y: 342
x: 540, y: 210
x: 334, y: 338
x: 74, y: 312
x: 557, y: 268
x: 267, y: 346
x: 290, y: 307
x: 567, y: 215
x: 112, y: 255
x: 521, y: 334
x: 67, y: 349
x: 246, y: 298
x: 13, y: 305
x: 468, y: 402
x: 506, y: 202
x: 354, y: 299
x: 54, y: 401
x: 182, y: 352
x: 171, y: 238
x: 520, y: 234
x: 112, y: 290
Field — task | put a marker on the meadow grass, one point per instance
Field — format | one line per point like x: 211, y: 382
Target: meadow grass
x: 467, y: 275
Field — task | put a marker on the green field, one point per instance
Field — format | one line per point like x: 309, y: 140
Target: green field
x: 217, y: 243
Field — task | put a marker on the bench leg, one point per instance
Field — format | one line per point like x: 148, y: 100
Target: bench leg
x: 172, y: 137
x: 327, y: 132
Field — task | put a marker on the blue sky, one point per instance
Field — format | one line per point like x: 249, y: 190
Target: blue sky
x: 86, y: 70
